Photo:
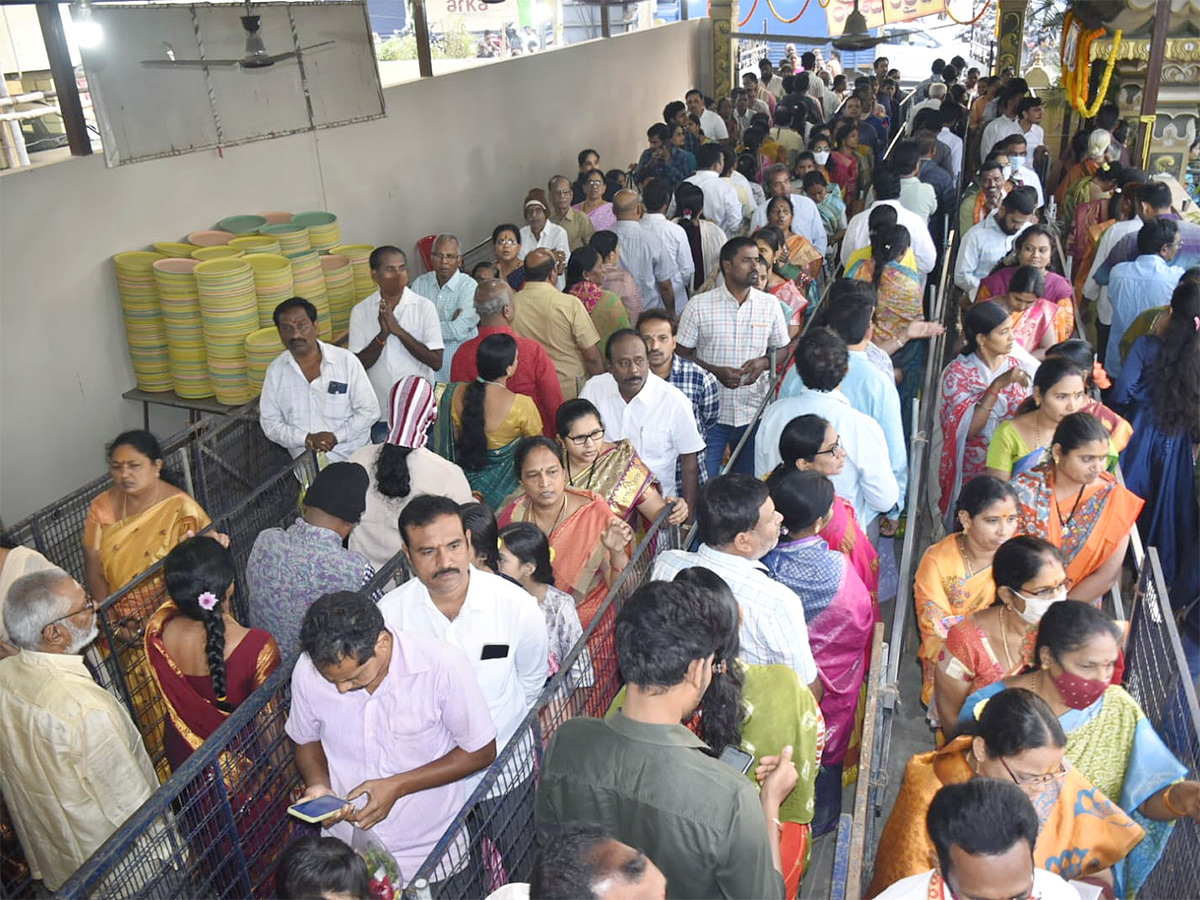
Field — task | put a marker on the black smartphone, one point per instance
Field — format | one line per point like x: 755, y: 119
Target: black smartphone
x: 494, y: 651
x: 737, y: 757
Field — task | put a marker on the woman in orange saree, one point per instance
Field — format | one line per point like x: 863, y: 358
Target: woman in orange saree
x: 1078, y: 507
x: 1081, y: 832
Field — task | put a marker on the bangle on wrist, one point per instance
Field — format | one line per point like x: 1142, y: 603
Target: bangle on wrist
x: 1171, y: 807
x: 381, y: 340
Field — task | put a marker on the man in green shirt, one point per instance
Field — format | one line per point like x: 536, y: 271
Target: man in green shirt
x: 649, y: 780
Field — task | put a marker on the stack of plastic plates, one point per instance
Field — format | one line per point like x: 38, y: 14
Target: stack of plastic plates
x: 180, y: 304
x: 360, y: 260
x: 229, y: 312
x: 309, y: 283
x: 324, y: 233
x: 292, y: 238
x: 255, y: 243
x: 262, y: 346
x: 175, y: 249
x: 144, y: 329
x: 277, y: 218
x: 272, y: 282
x: 242, y: 224
x: 339, y: 286
x: 217, y: 252
x: 209, y: 238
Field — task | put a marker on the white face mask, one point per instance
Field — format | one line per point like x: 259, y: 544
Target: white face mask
x: 1018, y: 161
x: 821, y: 157
x: 1035, y: 607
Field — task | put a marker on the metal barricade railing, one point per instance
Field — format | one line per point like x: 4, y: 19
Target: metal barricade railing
x: 492, y: 840
x: 863, y: 816
x: 1158, y: 678
x: 217, y: 826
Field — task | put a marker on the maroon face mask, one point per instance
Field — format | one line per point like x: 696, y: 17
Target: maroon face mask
x: 1078, y: 692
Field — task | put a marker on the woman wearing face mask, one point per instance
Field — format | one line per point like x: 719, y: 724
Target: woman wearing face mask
x: 1109, y: 739
x: 1034, y: 248
x: 996, y: 642
x: 811, y: 444
x: 954, y: 578
x: 1020, y: 443
x: 1081, y: 833
x: 1072, y: 502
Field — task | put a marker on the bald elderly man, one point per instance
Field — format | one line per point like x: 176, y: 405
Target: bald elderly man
x: 643, y: 254
x: 558, y: 322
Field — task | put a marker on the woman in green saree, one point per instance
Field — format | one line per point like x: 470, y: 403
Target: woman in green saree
x: 480, y: 423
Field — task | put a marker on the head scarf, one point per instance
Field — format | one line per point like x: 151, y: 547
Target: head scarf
x: 411, y: 410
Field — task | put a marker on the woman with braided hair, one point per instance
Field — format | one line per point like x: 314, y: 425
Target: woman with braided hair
x: 203, y: 662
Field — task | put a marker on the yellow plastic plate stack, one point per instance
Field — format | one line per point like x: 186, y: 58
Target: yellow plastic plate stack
x: 218, y: 252
x: 339, y: 286
x: 180, y: 303
x: 229, y: 312
x: 262, y: 346
x: 292, y: 238
x: 255, y: 243
x: 324, y: 233
x: 272, y: 283
x: 360, y: 260
x: 174, y: 249
x: 309, y: 283
x: 144, y: 329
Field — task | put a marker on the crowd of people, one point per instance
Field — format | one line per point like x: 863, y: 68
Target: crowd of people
x: 516, y: 430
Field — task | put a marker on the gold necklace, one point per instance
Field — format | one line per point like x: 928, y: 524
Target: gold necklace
x: 1004, y: 639
x: 962, y: 549
x: 557, y: 519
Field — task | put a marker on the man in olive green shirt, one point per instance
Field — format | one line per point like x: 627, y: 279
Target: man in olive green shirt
x: 649, y: 780
x: 577, y: 224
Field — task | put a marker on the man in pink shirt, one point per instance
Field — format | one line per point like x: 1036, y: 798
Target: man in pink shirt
x: 393, y: 719
x: 535, y: 375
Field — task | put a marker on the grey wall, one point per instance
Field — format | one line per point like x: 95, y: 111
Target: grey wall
x: 455, y: 153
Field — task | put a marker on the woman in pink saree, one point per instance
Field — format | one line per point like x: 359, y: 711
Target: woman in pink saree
x: 1033, y: 317
x: 837, y: 605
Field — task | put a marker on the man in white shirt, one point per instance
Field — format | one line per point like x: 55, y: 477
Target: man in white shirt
x: 642, y: 255
x: 1029, y: 117
x: 915, y: 195
x: 985, y: 244
x: 816, y: 87
x: 731, y: 331
x: 1150, y: 200
x: 316, y: 396
x: 496, y: 623
x: 984, y: 831
x: 711, y: 124
x: 1004, y: 124
x: 539, y: 231
x: 806, y: 218
x: 955, y: 144
x: 721, y: 203
x: 887, y: 190
x: 739, y: 526
x: 937, y: 93
x: 768, y: 79
x: 866, y: 478
x: 669, y: 240
x: 395, y: 331
x: 452, y: 293
x: 745, y: 107
x: 1018, y: 158
x: 73, y: 766
x: 652, y: 414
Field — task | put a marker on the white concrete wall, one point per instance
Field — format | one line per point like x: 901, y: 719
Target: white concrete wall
x: 455, y: 153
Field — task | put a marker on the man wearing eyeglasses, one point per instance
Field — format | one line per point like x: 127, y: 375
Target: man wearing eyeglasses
x: 452, y: 292
x: 72, y: 764
x: 984, y: 831
x: 578, y: 226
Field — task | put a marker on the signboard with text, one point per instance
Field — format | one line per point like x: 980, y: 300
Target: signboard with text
x: 879, y: 12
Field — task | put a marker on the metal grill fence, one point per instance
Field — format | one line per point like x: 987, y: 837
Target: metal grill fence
x: 218, y: 825
x: 492, y: 840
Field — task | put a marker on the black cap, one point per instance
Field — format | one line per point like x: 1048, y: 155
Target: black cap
x: 340, y: 489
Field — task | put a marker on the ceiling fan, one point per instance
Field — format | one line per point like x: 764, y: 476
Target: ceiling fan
x: 256, y: 56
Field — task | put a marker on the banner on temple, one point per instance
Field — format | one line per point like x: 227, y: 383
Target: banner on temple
x: 880, y: 12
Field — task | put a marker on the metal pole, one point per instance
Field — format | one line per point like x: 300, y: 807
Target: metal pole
x: 1158, y: 50
x: 14, y: 139
x: 421, y: 32
x: 64, y: 79
x: 605, y: 25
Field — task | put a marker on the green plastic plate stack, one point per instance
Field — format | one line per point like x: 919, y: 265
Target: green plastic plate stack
x: 324, y: 233
x: 360, y: 260
x: 179, y: 301
x: 228, y: 312
x: 272, y: 283
x: 292, y: 238
x: 255, y: 243
x: 262, y: 346
x: 339, y: 286
x: 242, y: 224
x: 144, y: 331
x: 309, y: 283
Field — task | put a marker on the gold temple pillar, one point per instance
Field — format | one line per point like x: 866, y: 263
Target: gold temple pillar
x: 723, y: 13
x: 1010, y: 25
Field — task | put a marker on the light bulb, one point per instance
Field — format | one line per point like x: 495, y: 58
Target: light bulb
x: 86, y: 30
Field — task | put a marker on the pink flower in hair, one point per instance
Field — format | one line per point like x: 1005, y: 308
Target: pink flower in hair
x: 207, y: 601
